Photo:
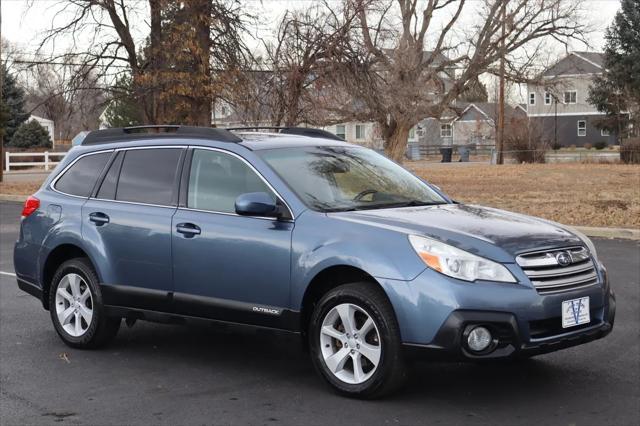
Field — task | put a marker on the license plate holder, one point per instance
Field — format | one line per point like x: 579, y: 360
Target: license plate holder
x: 575, y: 312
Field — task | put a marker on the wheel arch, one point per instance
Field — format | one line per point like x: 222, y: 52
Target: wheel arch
x: 56, y: 257
x: 326, y: 280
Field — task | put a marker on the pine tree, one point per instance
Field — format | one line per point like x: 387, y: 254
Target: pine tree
x: 618, y: 89
x: 12, y: 106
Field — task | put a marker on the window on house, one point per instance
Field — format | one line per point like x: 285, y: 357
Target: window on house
x: 446, y: 131
x: 570, y: 97
x: 532, y: 98
x: 547, y: 98
x: 223, y: 110
x: 359, y: 131
x: 412, y: 133
x: 605, y: 132
x: 341, y: 131
x: 582, y: 128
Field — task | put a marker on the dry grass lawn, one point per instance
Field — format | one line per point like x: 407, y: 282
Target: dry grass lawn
x: 573, y: 194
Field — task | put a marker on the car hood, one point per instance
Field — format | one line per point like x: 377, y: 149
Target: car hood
x: 470, y: 227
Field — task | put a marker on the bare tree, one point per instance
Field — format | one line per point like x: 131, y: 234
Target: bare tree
x: 172, y: 74
x: 306, y: 46
x: 408, y: 59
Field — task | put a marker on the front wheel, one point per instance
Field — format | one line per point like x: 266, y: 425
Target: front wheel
x: 355, y: 341
x: 75, y: 304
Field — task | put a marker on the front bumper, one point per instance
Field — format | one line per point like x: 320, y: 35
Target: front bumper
x: 433, y: 313
x: 511, y: 343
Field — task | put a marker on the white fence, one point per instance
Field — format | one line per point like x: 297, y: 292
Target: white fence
x: 46, y: 156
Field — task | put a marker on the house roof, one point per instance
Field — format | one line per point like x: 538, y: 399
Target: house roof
x: 576, y: 63
x: 489, y: 110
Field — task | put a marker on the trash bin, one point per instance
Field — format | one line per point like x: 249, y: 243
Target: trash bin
x: 413, y: 151
x: 464, y: 153
x: 446, y: 154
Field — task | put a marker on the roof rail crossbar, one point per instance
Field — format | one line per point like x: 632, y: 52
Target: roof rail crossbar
x: 158, y: 131
x: 301, y: 131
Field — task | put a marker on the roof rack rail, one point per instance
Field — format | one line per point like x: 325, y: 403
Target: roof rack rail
x: 301, y: 131
x: 154, y: 131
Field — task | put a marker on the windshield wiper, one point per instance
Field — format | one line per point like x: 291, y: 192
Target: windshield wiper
x: 410, y: 203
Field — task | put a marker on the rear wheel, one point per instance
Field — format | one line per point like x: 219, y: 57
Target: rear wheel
x: 75, y: 305
x: 355, y: 341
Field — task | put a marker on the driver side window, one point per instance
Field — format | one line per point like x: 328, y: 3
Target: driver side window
x: 216, y: 179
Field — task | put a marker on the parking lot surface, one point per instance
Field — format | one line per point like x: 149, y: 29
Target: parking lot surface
x: 221, y: 374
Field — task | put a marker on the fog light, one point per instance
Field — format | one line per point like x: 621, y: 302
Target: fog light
x: 479, y: 339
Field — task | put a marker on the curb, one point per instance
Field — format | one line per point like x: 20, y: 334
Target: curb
x: 589, y: 231
x: 623, y: 233
x: 16, y: 198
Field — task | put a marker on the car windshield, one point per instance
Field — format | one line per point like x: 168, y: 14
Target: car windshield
x: 333, y: 179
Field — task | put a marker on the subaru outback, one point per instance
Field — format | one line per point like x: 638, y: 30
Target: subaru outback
x: 299, y: 231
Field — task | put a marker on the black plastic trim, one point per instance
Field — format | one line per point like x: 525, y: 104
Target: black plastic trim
x: 136, y: 297
x: 129, y: 301
x: 123, y: 134
x: 30, y: 288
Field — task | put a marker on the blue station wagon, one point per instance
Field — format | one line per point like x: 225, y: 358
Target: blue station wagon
x: 299, y: 231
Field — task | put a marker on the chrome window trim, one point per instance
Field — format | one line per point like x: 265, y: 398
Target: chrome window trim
x: 55, y: 180
x: 239, y: 157
x: 135, y: 203
x: 280, y: 197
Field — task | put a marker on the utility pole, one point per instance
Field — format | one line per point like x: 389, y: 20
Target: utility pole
x: 500, y: 134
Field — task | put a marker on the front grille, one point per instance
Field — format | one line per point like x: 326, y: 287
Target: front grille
x: 548, y: 275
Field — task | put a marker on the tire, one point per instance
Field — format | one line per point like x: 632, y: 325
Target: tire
x: 331, y: 346
x: 80, y: 295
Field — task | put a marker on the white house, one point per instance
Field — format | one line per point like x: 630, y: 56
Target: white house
x: 46, y: 123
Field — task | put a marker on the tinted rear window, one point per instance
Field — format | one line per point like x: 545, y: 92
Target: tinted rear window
x: 108, y: 188
x: 81, y: 177
x: 148, y: 176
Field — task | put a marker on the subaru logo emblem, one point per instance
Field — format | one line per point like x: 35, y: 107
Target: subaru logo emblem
x: 564, y: 258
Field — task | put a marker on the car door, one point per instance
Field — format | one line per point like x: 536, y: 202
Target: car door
x: 128, y: 225
x: 226, y: 266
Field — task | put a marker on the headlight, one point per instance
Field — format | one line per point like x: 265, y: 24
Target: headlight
x: 458, y: 263
x: 587, y: 242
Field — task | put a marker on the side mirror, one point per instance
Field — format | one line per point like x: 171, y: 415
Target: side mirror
x: 256, y: 204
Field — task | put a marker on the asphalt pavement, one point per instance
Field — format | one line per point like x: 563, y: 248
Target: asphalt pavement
x: 166, y: 374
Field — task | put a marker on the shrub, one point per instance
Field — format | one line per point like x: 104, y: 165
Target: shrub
x: 556, y: 146
x: 600, y: 145
x: 630, y: 151
x: 573, y: 146
x: 31, y: 134
x: 588, y: 146
x: 524, y: 143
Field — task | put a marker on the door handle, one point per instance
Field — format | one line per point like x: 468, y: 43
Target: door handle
x: 188, y: 229
x: 98, y: 218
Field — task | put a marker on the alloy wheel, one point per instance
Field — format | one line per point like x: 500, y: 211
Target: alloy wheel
x: 350, y: 343
x: 74, y: 305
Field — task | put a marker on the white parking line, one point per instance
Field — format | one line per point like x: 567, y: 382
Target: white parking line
x: 11, y: 274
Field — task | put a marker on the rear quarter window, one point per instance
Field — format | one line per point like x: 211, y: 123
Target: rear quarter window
x: 80, y: 178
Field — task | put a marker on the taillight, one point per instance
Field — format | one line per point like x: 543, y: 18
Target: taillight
x: 31, y: 205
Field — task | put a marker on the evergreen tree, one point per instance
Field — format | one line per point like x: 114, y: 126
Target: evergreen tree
x: 123, y: 109
x: 30, y: 135
x: 13, y: 113
x: 618, y: 89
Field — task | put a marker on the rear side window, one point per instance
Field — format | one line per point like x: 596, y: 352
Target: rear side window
x: 107, y: 189
x: 149, y: 176
x: 81, y: 177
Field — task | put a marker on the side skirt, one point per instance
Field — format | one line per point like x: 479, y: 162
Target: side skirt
x: 162, y: 306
